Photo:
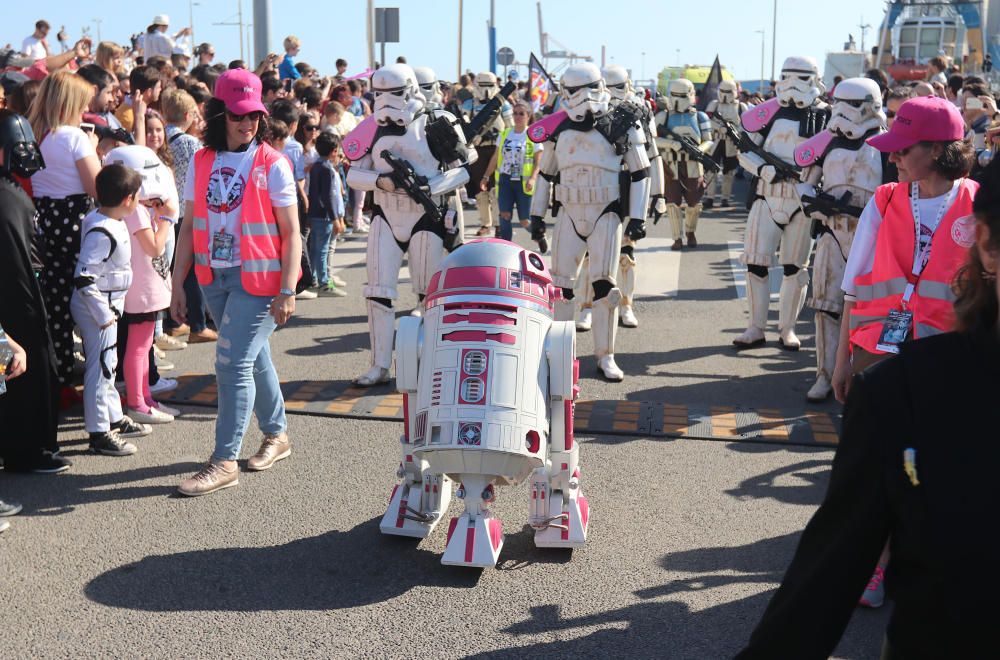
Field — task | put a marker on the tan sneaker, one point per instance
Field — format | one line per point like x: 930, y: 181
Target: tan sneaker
x: 273, y: 449
x: 209, y: 479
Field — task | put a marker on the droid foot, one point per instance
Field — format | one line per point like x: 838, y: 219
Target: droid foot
x: 374, y: 376
x: 566, y: 526
x: 473, y: 541
x: 606, y: 365
x: 404, y: 516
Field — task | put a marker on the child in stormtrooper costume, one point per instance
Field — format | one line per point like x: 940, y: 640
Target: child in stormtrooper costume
x: 841, y: 160
x: 620, y: 88
x: 728, y: 108
x: 435, y: 148
x: 485, y: 87
x: 582, y: 171
x: 779, y: 126
x: 686, y: 177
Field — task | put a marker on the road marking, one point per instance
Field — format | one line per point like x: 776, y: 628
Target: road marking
x: 658, y: 268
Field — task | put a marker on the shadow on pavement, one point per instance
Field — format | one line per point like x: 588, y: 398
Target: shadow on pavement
x: 327, y: 572
x: 811, y: 479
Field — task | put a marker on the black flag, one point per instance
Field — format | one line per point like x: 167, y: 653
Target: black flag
x: 710, y: 92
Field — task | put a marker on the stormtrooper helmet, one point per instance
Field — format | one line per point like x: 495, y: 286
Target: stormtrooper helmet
x: 680, y: 95
x: 485, y: 87
x: 728, y: 91
x: 583, y: 91
x: 156, y: 179
x: 430, y: 88
x: 617, y: 82
x: 799, y: 85
x: 857, y: 108
x: 397, y: 97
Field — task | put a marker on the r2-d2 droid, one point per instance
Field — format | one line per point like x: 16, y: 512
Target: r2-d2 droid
x: 488, y: 381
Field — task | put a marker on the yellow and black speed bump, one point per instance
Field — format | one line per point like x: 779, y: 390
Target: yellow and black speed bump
x: 652, y: 419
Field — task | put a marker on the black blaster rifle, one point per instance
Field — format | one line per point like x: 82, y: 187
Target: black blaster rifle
x: 488, y: 114
x: 414, y: 185
x: 829, y: 205
x: 744, y: 143
x: 690, y: 148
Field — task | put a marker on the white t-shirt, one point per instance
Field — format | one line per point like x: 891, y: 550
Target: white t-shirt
x: 861, y: 260
x: 224, y: 215
x: 157, y: 43
x: 61, y: 149
x: 34, y: 48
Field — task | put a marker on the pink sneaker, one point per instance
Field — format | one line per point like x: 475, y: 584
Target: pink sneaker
x: 874, y: 594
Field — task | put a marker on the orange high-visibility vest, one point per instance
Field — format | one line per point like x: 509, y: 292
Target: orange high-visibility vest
x: 260, y: 240
x: 881, y: 290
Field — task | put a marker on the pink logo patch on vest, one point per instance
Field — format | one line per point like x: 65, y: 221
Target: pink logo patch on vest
x: 963, y: 231
x: 259, y: 177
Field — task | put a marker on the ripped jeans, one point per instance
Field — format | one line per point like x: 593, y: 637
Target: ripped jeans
x: 247, y: 380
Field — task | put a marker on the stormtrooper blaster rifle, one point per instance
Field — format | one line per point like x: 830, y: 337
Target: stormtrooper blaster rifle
x: 414, y: 185
x: 691, y: 149
x: 488, y: 114
x: 743, y: 142
x: 828, y: 205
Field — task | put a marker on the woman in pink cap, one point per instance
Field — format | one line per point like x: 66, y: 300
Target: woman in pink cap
x: 241, y: 234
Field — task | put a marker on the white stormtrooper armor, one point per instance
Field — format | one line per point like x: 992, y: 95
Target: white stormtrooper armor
x: 399, y: 223
x: 485, y: 87
x: 430, y: 88
x: 687, y: 175
x: 841, y: 160
x: 779, y: 126
x: 589, y: 152
x: 728, y: 108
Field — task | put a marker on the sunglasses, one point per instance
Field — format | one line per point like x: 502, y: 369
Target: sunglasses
x: 311, y: 127
x: 519, y: 112
x: 252, y: 116
x: 890, y: 114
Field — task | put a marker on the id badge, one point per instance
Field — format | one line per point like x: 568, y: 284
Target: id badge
x: 895, y: 330
x: 222, y: 246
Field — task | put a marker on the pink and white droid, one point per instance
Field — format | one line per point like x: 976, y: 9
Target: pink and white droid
x: 488, y: 382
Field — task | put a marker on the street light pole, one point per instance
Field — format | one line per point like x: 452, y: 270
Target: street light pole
x: 460, y: 7
x: 98, y: 21
x: 643, y: 65
x: 774, y: 37
x: 761, y: 89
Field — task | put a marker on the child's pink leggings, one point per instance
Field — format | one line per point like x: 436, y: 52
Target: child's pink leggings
x: 140, y: 340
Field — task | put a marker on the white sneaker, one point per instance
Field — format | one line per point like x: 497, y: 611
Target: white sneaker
x: 154, y: 416
x: 361, y: 230
x: 307, y: 294
x: 168, y: 343
x: 627, y: 317
x: 163, y: 385
x: 584, y: 321
x: 158, y: 352
x: 164, y: 408
x: 610, y: 370
x: 164, y: 365
x: 336, y: 280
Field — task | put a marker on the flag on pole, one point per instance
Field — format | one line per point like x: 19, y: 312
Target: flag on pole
x: 710, y: 92
x: 540, y: 86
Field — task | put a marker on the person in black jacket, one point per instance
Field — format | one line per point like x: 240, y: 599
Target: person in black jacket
x: 917, y: 466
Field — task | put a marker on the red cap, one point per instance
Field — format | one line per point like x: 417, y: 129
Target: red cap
x: 922, y: 119
x: 240, y: 90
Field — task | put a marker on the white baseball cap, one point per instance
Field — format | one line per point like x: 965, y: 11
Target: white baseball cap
x: 161, y: 19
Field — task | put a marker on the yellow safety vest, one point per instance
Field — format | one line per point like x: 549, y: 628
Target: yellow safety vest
x: 529, y: 160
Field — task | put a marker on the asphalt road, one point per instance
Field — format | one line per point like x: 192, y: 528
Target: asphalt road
x: 688, y: 538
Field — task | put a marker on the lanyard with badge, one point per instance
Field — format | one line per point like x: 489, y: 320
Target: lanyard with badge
x: 897, y: 325
x: 222, y: 241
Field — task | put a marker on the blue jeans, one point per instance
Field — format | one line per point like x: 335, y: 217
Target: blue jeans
x: 247, y: 380
x: 319, y: 246
x: 509, y: 193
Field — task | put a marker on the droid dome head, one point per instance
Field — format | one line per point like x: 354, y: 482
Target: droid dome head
x: 397, y: 96
x: 485, y: 87
x: 583, y: 92
x: 680, y: 95
x: 492, y: 273
x: 156, y: 178
x: 857, y: 108
x: 617, y: 82
x: 799, y: 86
x: 430, y: 88
x: 728, y: 91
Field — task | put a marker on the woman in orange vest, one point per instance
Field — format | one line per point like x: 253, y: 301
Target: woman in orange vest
x: 241, y: 233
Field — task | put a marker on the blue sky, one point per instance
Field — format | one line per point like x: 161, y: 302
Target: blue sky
x: 667, y: 31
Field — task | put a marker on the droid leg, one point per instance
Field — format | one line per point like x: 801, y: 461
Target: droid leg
x: 384, y: 259
x: 626, y: 275
x: 605, y: 247
x: 585, y: 295
x: 476, y: 537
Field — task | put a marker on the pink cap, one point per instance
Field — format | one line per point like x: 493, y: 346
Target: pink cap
x: 922, y: 119
x: 240, y: 90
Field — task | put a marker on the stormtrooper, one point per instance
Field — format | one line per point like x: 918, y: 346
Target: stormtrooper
x: 728, y: 108
x: 681, y: 119
x: 596, y: 172
x: 776, y: 128
x: 620, y: 88
x: 841, y: 161
x: 485, y: 87
x: 412, y: 161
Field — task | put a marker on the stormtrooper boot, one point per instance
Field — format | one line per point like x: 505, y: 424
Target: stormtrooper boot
x: 676, y: 226
x: 583, y: 320
x: 605, y: 328
x: 827, y: 339
x: 790, y: 302
x: 758, y: 297
x: 626, y: 275
x: 691, y: 215
x: 381, y: 324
